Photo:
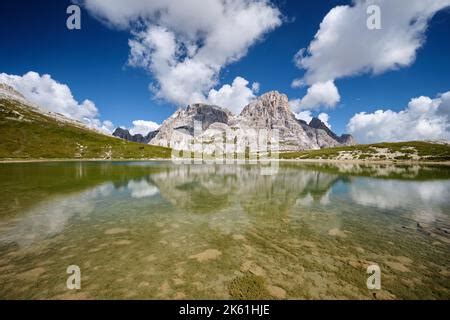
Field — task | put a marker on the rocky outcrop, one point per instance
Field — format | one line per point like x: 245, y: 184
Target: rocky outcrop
x: 316, y: 123
x: 345, y: 139
x: 126, y: 135
x: 182, y: 122
x: 123, y: 134
x: 270, y: 112
x: 151, y: 135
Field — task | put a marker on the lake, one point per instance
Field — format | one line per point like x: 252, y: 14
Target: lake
x: 159, y: 230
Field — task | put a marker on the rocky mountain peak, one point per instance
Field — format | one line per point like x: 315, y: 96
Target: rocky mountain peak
x: 274, y: 99
x: 270, y: 111
x: 269, y: 104
x: 122, y: 133
x: 205, y: 113
x: 345, y: 139
x: 316, y: 123
x: 182, y: 122
x: 126, y: 135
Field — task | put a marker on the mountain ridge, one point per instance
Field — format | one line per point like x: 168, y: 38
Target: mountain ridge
x: 126, y: 135
x: 270, y: 111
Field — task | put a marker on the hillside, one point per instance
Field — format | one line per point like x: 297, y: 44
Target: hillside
x: 27, y: 133
x: 400, y: 151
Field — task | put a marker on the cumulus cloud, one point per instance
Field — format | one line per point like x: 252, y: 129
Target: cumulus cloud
x: 255, y: 87
x: 320, y: 94
x: 234, y: 97
x: 106, y: 126
x: 186, y: 44
x: 424, y: 118
x: 344, y: 46
x: 298, y: 83
x: 50, y: 95
x: 143, y: 127
x: 304, y: 115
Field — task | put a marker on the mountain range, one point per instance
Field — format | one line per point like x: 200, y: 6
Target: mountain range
x: 270, y: 112
x: 27, y: 131
x: 126, y: 135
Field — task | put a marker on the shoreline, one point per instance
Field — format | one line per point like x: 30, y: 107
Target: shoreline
x: 403, y: 162
x: 77, y: 160
x: 335, y: 161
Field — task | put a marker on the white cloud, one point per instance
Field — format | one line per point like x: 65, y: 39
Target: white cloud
x: 423, y: 119
x: 50, y: 95
x: 106, y: 126
x: 344, y: 46
x: 255, y: 87
x: 143, y: 127
x: 298, y: 83
x: 304, y: 115
x: 185, y: 44
x: 234, y: 97
x: 318, y: 95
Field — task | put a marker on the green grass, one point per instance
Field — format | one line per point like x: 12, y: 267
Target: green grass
x: 425, y: 151
x: 27, y: 134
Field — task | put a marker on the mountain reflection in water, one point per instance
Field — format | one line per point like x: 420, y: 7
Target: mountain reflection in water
x: 160, y: 230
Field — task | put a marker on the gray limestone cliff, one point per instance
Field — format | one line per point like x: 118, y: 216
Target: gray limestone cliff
x: 270, y: 112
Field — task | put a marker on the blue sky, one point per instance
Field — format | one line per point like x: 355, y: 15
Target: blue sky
x: 93, y: 62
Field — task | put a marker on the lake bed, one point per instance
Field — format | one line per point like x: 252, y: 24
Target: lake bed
x: 158, y: 230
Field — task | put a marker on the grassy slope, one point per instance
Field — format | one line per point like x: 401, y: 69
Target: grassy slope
x: 26, y: 134
x: 414, y: 150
